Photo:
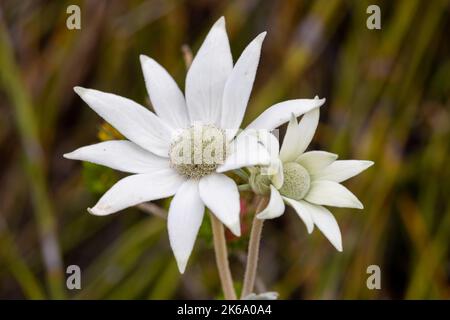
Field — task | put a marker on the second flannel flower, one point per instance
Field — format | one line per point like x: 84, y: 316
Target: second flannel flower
x: 306, y: 181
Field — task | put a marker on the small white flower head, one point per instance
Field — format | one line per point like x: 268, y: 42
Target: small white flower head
x: 184, y: 148
x: 306, y: 181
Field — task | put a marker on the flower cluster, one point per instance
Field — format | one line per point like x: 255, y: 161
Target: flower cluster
x: 306, y: 181
x: 186, y: 146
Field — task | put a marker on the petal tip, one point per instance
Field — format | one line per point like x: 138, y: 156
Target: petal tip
x: 143, y: 58
x: 293, y: 118
x: 321, y: 101
x: 181, y: 264
x: 261, y: 36
x: 68, y: 155
x: 220, y: 23
x: 96, y: 211
x: 369, y: 163
x: 80, y: 90
x: 235, y: 228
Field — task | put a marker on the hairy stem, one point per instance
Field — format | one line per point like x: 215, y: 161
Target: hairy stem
x: 253, y: 250
x: 223, y: 266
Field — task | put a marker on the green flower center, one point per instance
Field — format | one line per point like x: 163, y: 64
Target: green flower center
x: 296, y: 181
x: 198, y: 150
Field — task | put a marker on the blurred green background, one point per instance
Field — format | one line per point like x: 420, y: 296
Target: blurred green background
x: 387, y: 100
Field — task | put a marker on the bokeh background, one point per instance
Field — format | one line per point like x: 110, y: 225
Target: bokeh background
x: 387, y: 100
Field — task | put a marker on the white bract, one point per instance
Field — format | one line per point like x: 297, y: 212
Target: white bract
x: 183, y: 149
x: 306, y: 181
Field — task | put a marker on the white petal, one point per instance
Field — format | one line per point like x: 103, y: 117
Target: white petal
x: 314, y: 161
x: 135, y: 122
x: 184, y: 220
x: 325, y: 221
x: 245, y: 151
x: 220, y: 194
x: 289, y: 151
x: 120, y: 155
x: 302, y: 211
x: 342, y: 170
x: 136, y: 189
x: 239, y: 86
x: 165, y: 95
x: 275, y: 207
x: 306, y: 129
x: 299, y: 136
x: 281, y: 112
x: 207, y: 76
x: 329, y: 193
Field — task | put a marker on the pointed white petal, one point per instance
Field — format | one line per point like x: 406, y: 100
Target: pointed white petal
x: 220, y: 194
x: 132, y: 120
x: 136, y: 189
x: 239, y: 86
x: 275, y: 207
x: 302, y: 211
x: 306, y: 129
x: 329, y: 193
x: 184, y: 220
x: 342, y: 170
x: 245, y: 151
x: 281, y: 112
x: 298, y: 136
x: 315, y: 161
x: 289, y: 151
x: 206, y: 78
x: 165, y: 95
x: 120, y: 155
x: 326, y: 222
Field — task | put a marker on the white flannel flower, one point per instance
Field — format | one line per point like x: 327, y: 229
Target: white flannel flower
x: 203, y: 126
x: 306, y: 181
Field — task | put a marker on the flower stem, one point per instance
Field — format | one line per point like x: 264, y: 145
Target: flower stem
x: 223, y: 266
x: 253, y: 250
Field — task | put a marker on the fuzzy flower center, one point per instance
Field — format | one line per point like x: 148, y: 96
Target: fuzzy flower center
x: 296, y: 181
x: 198, y: 150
